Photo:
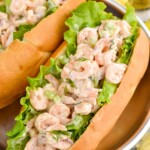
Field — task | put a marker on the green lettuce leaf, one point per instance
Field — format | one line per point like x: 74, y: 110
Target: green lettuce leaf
x: 3, y: 8
x: 21, y: 30
x: 79, y: 125
x: 7, y: 4
x: 108, y: 90
x: 88, y: 14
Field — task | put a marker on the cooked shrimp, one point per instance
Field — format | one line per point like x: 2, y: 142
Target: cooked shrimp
x: 67, y: 100
x: 65, y: 88
x: 99, y: 72
x: 91, y: 100
x: 31, y: 18
x: 116, y: 44
x: 115, y: 72
x: 7, y: 37
x: 84, y: 50
x: 51, y: 79
x: 87, y: 92
x: 59, y: 111
x: 40, y: 12
x: 38, y: 142
x: 77, y: 70
x: 17, y: 7
x: 50, y: 87
x: 57, y: 2
x: 109, y: 29
x: 38, y: 100
x: 31, y: 128
x: 83, y: 108
x: 45, y: 122
x: 83, y: 84
x: 18, y: 20
x: 35, y: 3
x: 109, y: 57
x: 4, y: 22
x: 103, y: 44
x: 125, y: 32
x: 88, y: 36
x: 114, y: 28
x: 63, y: 142
x: 32, y: 144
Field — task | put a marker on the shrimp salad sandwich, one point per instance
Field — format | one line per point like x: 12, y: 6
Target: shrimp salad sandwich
x: 23, y: 35
x: 76, y: 100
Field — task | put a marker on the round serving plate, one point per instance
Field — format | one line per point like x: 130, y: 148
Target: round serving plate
x: 133, y: 122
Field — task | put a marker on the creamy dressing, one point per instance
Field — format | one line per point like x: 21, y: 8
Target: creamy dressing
x: 77, y: 91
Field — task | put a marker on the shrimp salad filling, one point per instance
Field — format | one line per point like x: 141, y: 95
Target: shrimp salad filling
x: 64, y: 97
x: 20, y: 16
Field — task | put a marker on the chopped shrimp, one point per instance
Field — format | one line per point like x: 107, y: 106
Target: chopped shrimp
x: 91, y: 100
x: 42, y: 138
x: 45, y: 122
x: 88, y: 36
x: 31, y: 128
x: 35, y: 3
x: 57, y: 2
x: 116, y: 44
x: 103, y: 44
x: 32, y: 144
x: 65, y: 88
x: 51, y: 79
x: 83, y: 108
x: 88, y: 92
x: 40, y: 11
x: 99, y: 58
x: 49, y: 87
x: 84, y: 50
x: 114, y: 28
x: 109, y: 57
x: 7, y: 37
x: 67, y: 100
x: 63, y: 142
x: 4, y: 21
x: 31, y: 18
x: 115, y: 72
x: 77, y: 70
x: 17, y: 7
x: 18, y: 20
x: 99, y: 72
x: 38, y: 143
x: 109, y: 29
x: 83, y: 84
x: 38, y: 100
x: 125, y: 32
x: 59, y: 111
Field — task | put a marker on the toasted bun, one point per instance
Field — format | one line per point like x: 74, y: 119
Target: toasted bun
x: 48, y: 34
x: 106, y: 117
x: 22, y: 59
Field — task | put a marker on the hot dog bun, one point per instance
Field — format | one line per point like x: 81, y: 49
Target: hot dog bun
x: 22, y: 59
x: 16, y: 63
x: 106, y: 117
